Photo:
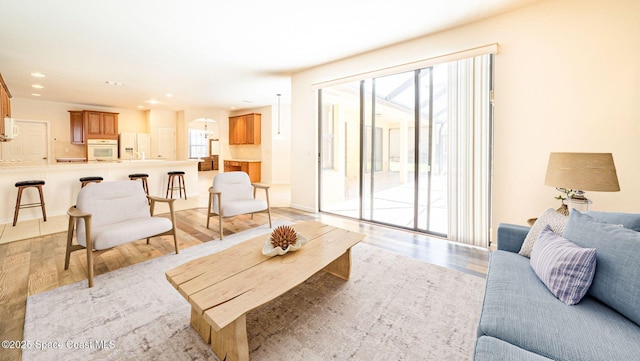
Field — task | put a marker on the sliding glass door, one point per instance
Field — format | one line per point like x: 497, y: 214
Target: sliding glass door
x: 406, y: 149
x: 389, y: 192
x: 340, y: 130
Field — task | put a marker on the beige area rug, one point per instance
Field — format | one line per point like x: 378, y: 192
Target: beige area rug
x: 392, y: 308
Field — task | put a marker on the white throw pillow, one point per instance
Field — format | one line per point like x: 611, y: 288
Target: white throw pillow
x: 555, y: 220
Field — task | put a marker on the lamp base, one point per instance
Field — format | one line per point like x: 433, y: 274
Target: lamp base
x: 582, y: 204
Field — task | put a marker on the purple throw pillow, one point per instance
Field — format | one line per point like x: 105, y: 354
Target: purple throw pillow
x: 564, y: 267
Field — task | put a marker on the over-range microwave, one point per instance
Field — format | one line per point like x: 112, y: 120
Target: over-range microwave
x: 102, y: 149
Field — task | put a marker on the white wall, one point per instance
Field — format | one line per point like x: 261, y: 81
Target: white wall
x: 567, y: 78
x: 280, y: 150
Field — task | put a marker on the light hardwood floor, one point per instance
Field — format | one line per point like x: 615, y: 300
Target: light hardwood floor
x: 36, y: 264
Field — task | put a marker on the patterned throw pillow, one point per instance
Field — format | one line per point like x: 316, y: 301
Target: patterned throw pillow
x: 550, y: 217
x: 564, y: 267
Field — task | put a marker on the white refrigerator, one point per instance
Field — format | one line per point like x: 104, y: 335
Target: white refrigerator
x: 134, y: 146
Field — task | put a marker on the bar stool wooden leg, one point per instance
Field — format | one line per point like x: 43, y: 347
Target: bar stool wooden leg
x: 182, y: 186
x: 15, y: 214
x: 169, y: 186
x: 44, y: 212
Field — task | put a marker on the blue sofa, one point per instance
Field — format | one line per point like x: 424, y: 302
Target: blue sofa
x: 522, y: 320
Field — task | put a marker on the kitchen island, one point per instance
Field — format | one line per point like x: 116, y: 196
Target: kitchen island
x: 62, y: 182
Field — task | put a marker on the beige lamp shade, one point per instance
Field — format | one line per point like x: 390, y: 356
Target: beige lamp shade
x: 582, y: 171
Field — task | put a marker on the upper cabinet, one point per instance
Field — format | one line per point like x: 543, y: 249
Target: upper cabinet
x: 5, y: 104
x: 245, y: 129
x: 101, y: 125
x: 5, y: 107
x: 90, y: 124
x: 77, y: 127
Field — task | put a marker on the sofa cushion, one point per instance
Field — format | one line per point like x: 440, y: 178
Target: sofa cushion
x: 564, y: 267
x: 519, y: 309
x: 112, y: 235
x: 627, y: 220
x: 550, y: 217
x: 490, y: 348
x: 617, y: 279
x: 244, y: 206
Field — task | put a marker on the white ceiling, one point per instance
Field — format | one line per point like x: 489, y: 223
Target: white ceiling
x: 207, y: 53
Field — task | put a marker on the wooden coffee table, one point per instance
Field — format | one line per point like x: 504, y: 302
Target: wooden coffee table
x: 224, y: 286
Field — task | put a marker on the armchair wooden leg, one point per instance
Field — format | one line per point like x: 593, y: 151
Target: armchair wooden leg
x: 174, y: 230
x: 175, y: 241
x: 220, y: 224
x: 268, y: 207
x: 89, y: 253
x: 67, y: 255
x: 220, y: 211
x: 209, y: 209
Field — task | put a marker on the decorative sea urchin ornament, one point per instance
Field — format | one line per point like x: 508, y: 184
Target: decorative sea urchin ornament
x: 283, y: 237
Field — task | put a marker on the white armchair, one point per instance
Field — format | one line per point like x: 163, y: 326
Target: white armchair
x: 109, y: 214
x: 231, y: 195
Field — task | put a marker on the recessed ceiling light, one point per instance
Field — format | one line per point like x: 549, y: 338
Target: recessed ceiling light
x: 36, y: 94
x: 169, y: 95
x: 37, y: 75
x: 153, y: 102
x: 115, y: 83
x: 37, y: 86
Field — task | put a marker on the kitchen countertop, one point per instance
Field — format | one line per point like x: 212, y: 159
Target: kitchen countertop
x: 88, y: 164
x: 71, y: 159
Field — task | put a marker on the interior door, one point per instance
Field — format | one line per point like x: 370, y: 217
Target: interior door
x: 30, y: 145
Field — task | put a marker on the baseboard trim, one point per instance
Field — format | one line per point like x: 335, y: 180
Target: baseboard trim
x: 303, y: 208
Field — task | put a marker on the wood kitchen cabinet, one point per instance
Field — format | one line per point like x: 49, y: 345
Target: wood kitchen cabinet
x: 101, y: 125
x: 89, y: 124
x: 5, y: 103
x: 245, y: 129
x: 208, y: 163
x: 77, y: 127
x: 252, y: 168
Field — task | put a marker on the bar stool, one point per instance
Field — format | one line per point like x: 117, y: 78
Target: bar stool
x: 27, y: 184
x: 87, y: 180
x: 171, y: 186
x: 143, y: 177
